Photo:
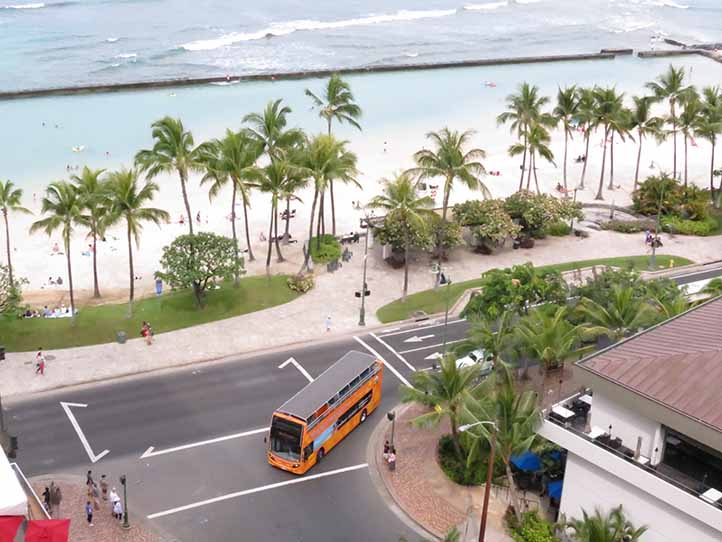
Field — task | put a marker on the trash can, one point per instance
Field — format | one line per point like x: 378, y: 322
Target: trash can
x: 2, y: 353
x: 121, y: 337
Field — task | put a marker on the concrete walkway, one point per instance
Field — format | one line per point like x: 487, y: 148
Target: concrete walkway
x: 303, y: 320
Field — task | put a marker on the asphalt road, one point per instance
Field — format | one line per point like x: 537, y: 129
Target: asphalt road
x: 206, y: 476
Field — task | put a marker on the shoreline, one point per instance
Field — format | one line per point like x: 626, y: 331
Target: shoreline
x: 604, y: 54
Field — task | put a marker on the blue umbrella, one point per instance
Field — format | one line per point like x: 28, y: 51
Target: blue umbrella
x: 554, y: 489
x: 528, y: 461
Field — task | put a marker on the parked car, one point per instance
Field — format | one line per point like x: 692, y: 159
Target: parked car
x: 478, y: 356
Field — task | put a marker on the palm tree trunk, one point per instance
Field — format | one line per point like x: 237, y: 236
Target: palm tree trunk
x: 586, y: 157
x: 279, y: 256
x: 236, y: 276
x: 318, y: 223
x: 70, y: 277
x: 270, y: 239
x: 711, y: 172
x: 130, y: 268
x: 600, y: 192
x: 512, y: 492
x: 531, y: 167
x: 330, y: 186
x: 286, y: 234
x: 536, y: 180
x: 639, y: 159
x: 323, y: 214
x: 611, y: 162
x: 248, y: 234
x: 674, y: 139
x: 96, y: 289
x: 7, y: 245
x: 686, y: 139
x: 447, y: 193
x: 406, y: 268
x: 523, y: 163
x: 455, y: 432
x: 566, y: 148
x: 310, y: 231
x: 183, y: 176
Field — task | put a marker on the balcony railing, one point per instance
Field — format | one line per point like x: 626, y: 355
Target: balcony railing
x: 569, y: 425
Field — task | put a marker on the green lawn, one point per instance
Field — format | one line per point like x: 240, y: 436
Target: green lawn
x: 95, y: 325
x: 432, y: 302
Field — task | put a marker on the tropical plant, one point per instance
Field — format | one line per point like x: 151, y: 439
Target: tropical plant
x: 445, y: 391
x: 393, y: 231
x: 670, y: 86
x: 401, y: 201
x: 536, y: 142
x: 688, y: 122
x: 621, y: 126
x: 173, y: 150
x: 515, y: 418
x: 11, y: 295
x: 128, y: 199
x: 451, y: 160
x: 623, y: 315
x: 658, y: 194
x: 93, y: 194
x: 710, y: 124
x: 713, y: 287
x: 488, y: 221
x: 607, y: 113
x: 494, y: 335
x: 10, y: 201
x: 195, y: 261
x: 646, y: 125
x: 336, y: 103
x: 232, y: 160
x: 445, y: 235
x: 269, y: 129
x: 62, y: 208
x: 600, y: 527
x: 670, y: 307
x: 533, y: 528
x: 566, y: 112
x: 586, y: 113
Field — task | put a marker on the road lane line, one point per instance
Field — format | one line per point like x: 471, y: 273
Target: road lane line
x: 394, y: 352
x: 256, y: 490
x: 84, y: 441
x: 430, y: 346
x: 391, y: 367
x: 297, y: 366
x: 151, y: 453
x: 425, y: 326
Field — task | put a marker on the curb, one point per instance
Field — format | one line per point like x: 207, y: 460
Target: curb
x: 385, y: 491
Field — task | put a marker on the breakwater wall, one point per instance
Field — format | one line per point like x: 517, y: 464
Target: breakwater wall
x: 168, y: 83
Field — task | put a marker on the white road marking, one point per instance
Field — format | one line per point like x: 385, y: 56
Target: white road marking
x: 393, y: 351
x: 435, y: 355
x: 84, y: 441
x: 390, y: 329
x: 221, y: 498
x: 297, y: 366
x: 425, y: 325
x: 430, y: 346
x: 391, y: 367
x: 417, y: 339
x: 151, y: 453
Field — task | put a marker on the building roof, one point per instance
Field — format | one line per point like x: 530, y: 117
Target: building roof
x: 329, y: 383
x: 677, y: 363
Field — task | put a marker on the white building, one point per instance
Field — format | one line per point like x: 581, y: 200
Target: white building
x: 652, y: 438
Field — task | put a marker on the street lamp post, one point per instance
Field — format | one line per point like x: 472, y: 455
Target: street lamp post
x: 124, y: 482
x: 657, y: 227
x: 489, y: 474
x: 362, y: 312
x: 391, y: 415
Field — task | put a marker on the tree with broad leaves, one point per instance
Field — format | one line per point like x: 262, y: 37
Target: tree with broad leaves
x: 10, y: 202
x: 194, y: 261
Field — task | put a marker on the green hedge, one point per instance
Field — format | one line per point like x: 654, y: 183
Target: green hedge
x: 329, y: 251
x: 682, y: 226
x: 627, y: 226
x: 558, y: 229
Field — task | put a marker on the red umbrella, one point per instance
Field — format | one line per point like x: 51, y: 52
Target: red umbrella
x: 47, y: 530
x: 9, y: 527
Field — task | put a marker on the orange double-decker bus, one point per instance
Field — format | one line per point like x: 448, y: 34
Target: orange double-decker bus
x: 319, y: 416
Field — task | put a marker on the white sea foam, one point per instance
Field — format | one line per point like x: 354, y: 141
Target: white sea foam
x: 24, y: 6
x: 622, y: 25
x: 283, y: 29
x: 127, y: 55
x: 485, y: 7
x: 112, y: 40
x: 668, y: 4
x: 411, y: 55
x: 527, y: 1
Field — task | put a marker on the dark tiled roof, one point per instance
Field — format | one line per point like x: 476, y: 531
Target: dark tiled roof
x: 678, y: 363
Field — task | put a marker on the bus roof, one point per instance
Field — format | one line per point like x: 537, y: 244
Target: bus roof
x: 329, y: 383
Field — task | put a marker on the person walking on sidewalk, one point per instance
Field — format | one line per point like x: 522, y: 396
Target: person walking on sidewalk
x: 89, y: 513
x: 46, y: 500
x: 114, y: 498
x: 387, y: 449
x: 328, y: 323
x: 40, y: 362
x: 89, y: 483
x: 104, y: 487
x: 118, y: 510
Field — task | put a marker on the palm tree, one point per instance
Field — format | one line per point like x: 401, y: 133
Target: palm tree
x: 401, y: 202
x: 445, y: 391
x: 713, y: 288
x: 451, y: 160
x: 669, y: 307
x: 337, y: 103
x: 623, y: 315
x: 515, y: 415
x: 10, y: 198
x: 549, y: 337
x: 269, y: 128
x: 523, y: 110
x: 608, y: 106
x: 495, y: 336
x: 670, y: 86
x: 621, y: 125
x: 586, y: 111
x: 566, y: 112
x: 646, y: 125
x: 63, y: 207
x: 232, y: 159
x: 128, y: 199
x: 688, y: 122
x: 710, y: 124
x: 612, y: 527
x: 173, y: 150
x: 538, y: 140
x: 94, y: 201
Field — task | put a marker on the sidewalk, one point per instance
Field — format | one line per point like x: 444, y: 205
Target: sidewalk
x: 422, y: 490
x: 303, y: 319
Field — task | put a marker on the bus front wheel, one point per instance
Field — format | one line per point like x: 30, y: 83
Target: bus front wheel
x: 363, y: 416
x: 319, y: 455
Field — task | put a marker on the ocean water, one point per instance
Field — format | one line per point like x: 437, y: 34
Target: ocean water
x: 69, y: 42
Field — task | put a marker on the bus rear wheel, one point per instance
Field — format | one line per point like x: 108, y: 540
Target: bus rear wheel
x: 364, y: 415
x: 319, y: 455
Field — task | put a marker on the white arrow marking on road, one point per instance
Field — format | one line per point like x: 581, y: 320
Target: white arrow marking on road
x: 417, y: 339
x: 298, y: 366
x: 84, y: 441
x: 435, y: 355
x: 151, y: 453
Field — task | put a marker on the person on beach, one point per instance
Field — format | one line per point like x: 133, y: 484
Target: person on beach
x: 40, y: 362
x: 89, y: 513
x: 104, y: 487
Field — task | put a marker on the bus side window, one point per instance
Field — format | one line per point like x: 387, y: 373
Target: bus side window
x: 355, y: 382
x: 365, y: 373
x: 344, y: 390
x: 307, y: 451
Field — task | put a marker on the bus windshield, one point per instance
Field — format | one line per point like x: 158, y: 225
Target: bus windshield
x: 286, y: 438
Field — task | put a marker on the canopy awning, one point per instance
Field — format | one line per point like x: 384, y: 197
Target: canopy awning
x: 554, y: 489
x: 528, y: 461
x: 13, y: 501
